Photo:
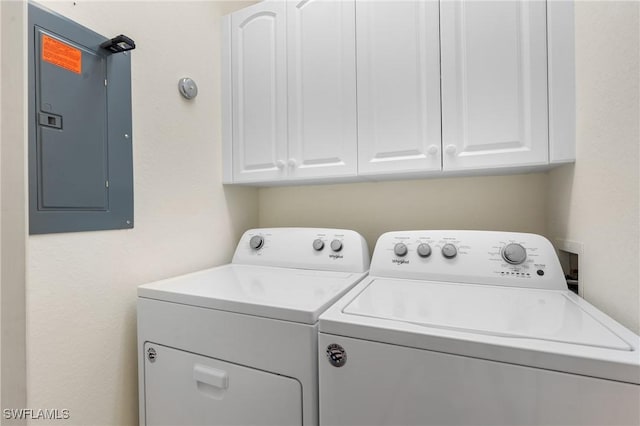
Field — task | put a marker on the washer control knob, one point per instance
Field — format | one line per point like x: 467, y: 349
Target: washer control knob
x: 514, y: 253
x: 336, y: 245
x: 256, y: 242
x: 318, y: 244
x: 400, y: 249
x: 424, y: 250
x: 449, y: 251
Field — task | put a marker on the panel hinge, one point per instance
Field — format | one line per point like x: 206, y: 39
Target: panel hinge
x: 106, y: 184
x: 105, y: 82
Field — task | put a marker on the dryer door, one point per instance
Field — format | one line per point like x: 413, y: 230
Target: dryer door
x: 182, y: 388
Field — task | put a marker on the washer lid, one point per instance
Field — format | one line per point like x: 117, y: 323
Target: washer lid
x: 281, y: 293
x: 547, y: 315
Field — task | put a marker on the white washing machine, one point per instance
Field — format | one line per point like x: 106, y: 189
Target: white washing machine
x: 473, y: 328
x: 237, y: 344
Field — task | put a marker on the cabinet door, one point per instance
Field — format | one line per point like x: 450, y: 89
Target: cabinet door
x: 322, y: 88
x: 494, y: 84
x: 398, y: 86
x: 259, y: 92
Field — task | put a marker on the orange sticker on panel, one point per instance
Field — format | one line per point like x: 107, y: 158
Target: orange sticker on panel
x: 61, y: 54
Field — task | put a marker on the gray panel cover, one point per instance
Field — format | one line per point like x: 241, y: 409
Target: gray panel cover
x: 80, y: 162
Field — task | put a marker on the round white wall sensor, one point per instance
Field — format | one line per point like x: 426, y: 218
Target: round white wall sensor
x: 188, y: 88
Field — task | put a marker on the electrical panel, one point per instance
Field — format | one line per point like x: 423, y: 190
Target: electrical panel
x: 80, y: 139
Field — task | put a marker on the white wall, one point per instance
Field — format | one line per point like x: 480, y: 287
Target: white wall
x: 81, y: 287
x: 596, y: 202
x: 81, y: 314
x: 1, y: 57
x: 13, y: 201
x: 507, y: 203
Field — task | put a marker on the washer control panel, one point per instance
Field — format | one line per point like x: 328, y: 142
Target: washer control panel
x: 474, y: 257
x: 305, y: 248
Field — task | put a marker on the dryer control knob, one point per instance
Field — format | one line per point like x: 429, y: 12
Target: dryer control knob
x: 400, y: 249
x: 336, y: 245
x: 256, y: 242
x: 514, y: 253
x: 424, y: 250
x: 318, y: 244
x: 449, y: 251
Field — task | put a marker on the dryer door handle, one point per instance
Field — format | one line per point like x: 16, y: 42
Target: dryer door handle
x: 211, y: 376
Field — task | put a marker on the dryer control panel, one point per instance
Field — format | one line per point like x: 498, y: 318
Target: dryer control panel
x: 474, y: 257
x: 322, y: 249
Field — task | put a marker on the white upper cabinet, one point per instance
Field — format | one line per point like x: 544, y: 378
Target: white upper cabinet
x: 343, y: 90
x: 398, y: 87
x: 494, y: 84
x: 321, y: 88
x: 258, y: 80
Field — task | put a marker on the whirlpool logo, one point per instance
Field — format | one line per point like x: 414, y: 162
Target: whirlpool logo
x: 400, y: 261
x: 336, y: 256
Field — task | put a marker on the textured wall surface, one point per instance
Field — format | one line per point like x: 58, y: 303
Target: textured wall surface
x: 81, y: 287
x: 81, y: 294
x: 13, y: 199
x: 596, y: 201
x: 503, y: 203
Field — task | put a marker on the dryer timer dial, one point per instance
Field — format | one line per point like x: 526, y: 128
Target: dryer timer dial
x: 256, y: 242
x: 400, y: 249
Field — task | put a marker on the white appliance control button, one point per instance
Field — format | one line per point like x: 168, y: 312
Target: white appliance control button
x: 318, y: 244
x: 449, y: 251
x: 400, y: 249
x: 514, y: 253
x: 424, y: 250
x: 256, y: 242
x: 336, y: 245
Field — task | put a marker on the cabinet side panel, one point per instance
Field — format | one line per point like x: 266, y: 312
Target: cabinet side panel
x: 562, y: 85
x: 227, y: 103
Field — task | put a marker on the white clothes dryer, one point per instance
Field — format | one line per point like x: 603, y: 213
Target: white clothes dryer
x: 473, y: 328
x: 237, y: 344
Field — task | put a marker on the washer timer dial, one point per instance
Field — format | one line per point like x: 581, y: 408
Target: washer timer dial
x: 514, y: 253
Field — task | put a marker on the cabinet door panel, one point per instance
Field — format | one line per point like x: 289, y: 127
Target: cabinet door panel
x: 259, y: 92
x: 322, y: 88
x: 494, y: 84
x: 398, y: 86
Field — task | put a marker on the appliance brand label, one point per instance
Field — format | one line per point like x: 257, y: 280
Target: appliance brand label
x: 336, y: 256
x: 399, y: 261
